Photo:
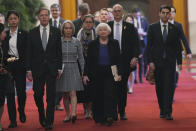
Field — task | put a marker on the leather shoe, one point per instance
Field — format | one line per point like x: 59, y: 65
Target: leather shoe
x: 22, y: 117
x: 162, y: 115
x: 73, y: 119
x: 169, y: 117
x: 109, y: 121
x: 12, y: 125
x: 123, y: 117
x: 49, y: 127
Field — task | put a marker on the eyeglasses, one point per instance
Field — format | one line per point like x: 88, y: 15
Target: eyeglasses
x: 88, y: 22
x: 116, y: 11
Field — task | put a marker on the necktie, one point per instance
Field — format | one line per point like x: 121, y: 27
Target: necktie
x: 55, y: 23
x: 164, y: 39
x: 118, y: 34
x: 164, y: 33
x: 44, y: 38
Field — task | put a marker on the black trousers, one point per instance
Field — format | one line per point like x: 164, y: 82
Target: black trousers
x: 38, y: 88
x: 121, y: 91
x: 104, y: 97
x: 18, y: 80
x: 165, y: 84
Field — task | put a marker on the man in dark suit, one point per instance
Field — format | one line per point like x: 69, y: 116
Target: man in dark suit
x: 141, y: 23
x: 127, y: 36
x: 15, y: 47
x: 163, y: 50
x: 83, y: 10
x: 182, y: 38
x: 56, y: 21
x: 44, y: 63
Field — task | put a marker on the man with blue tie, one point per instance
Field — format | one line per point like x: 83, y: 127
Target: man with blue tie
x: 163, y: 49
x: 56, y: 21
x: 127, y: 36
x: 44, y: 63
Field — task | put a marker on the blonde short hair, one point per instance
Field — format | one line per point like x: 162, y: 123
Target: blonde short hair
x: 103, y: 25
x: 72, y: 25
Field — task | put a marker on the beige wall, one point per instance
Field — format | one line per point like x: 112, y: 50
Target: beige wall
x: 192, y: 24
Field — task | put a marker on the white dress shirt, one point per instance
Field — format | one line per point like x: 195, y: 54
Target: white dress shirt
x: 47, y: 31
x: 13, y: 44
x: 120, y: 29
x: 57, y: 21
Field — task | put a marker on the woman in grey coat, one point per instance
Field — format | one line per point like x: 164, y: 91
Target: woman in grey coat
x: 70, y: 80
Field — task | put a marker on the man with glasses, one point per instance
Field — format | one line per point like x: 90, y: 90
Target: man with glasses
x: 127, y: 36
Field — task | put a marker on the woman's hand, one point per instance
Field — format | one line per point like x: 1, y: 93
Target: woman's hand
x: 85, y: 80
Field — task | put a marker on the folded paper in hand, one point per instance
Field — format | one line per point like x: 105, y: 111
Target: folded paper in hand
x: 115, y: 72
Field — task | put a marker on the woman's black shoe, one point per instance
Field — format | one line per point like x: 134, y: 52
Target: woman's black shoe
x: 109, y: 121
x: 73, y: 119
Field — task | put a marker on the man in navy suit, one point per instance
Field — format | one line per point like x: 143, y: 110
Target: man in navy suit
x: 56, y: 21
x: 127, y: 36
x: 141, y: 23
x: 15, y: 47
x: 44, y: 63
x: 163, y: 50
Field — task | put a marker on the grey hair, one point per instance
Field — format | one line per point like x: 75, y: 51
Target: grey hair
x: 55, y: 6
x: 84, y: 9
x: 72, y: 25
x: 117, y: 5
x: 103, y: 25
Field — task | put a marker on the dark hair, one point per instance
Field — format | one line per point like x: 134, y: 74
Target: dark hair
x: 55, y: 6
x: 173, y: 8
x: 135, y: 10
x: 43, y: 8
x: 128, y: 15
x: 1, y: 28
x: 88, y: 16
x: 12, y: 12
x: 165, y: 7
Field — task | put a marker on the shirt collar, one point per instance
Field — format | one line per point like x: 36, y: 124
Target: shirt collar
x: 163, y: 24
x: 57, y: 19
x: 171, y: 21
x: 120, y: 22
x: 47, y: 27
x: 15, y: 32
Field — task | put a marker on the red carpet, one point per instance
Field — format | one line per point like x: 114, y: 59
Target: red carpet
x: 142, y: 112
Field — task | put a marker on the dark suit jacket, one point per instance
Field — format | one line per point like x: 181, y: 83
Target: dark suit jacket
x: 78, y: 25
x: 183, y: 37
x: 93, y: 56
x: 61, y: 21
x: 129, y: 44
x: 156, y: 46
x: 21, y: 45
x: 37, y: 58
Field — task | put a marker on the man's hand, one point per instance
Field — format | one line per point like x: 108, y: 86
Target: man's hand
x: 133, y: 62
x: 85, y: 80
x: 59, y: 74
x: 180, y: 67
x: 29, y: 75
x: 151, y: 66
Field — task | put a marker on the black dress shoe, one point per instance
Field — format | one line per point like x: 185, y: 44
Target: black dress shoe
x: 109, y: 121
x: 162, y: 114
x: 169, y: 117
x: 22, y: 117
x: 73, y: 119
x: 123, y: 117
x: 12, y: 125
x: 49, y: 127
x: 141, y: 81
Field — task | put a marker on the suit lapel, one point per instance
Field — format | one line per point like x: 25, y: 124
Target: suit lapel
x: 19, y: 39
x: 39, y: 38
x: 159, y: 32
